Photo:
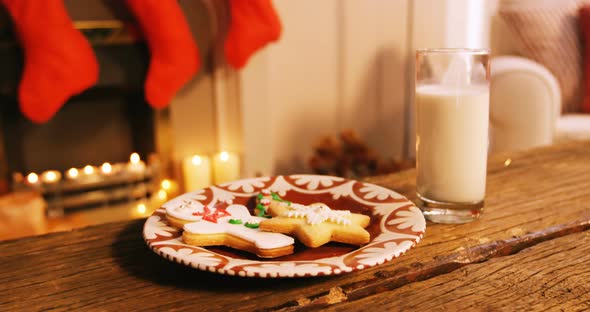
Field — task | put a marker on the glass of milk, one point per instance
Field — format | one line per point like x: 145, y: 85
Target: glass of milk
x: 452, y: 99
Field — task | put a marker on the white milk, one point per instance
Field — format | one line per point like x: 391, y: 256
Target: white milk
x: 452, y: 142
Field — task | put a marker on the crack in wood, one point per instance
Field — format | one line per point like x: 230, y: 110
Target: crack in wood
x: 390, y: 280
x: 333, y: 296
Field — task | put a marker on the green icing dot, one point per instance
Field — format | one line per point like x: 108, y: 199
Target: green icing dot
x: 251, y: 225
x: 276, y: 197
x: 235, y: 221
x: 260, y: 196
x: 261, y: 210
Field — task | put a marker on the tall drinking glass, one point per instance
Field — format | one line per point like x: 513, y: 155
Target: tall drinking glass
x: 452, y: 99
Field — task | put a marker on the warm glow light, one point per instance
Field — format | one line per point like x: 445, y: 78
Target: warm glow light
x: 507, y: 162
x: 32, y: 178
x: 141, y: 208
x: 166, y: 185
x: 134, y: 158
x: 73, y: 173
x: 88, y: 170
x: 50, y: 176
x: 162, y: 194
x: 135, y: 165
x: 196, y: 160
x: 226, y: 167
x: 196, y: 172
x: 106, y: 168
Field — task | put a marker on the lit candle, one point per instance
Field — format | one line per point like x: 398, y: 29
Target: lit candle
x: 162, y: 195
x: 88, y: 170
x: 141, y: 208
x: 135, y: 163
x: 226, y: 167
x: 134, y: 158
x: 32, y: 178
x: 106, y: 168
x: 50, y: 176
x: 197, y: 172
x: 166, y: 185
x: 72, y: 173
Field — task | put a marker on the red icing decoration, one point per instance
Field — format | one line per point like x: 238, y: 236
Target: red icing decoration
x: 212, y: 215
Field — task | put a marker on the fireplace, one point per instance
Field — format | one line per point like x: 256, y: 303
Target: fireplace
x: 107, y: 146
x: 97, y: 130
x: 93, y: 128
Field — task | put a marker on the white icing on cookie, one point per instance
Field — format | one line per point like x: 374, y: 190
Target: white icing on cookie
x: 262, y: 240
x: 314, y: 214
x: 184, y: 209
x: 318, y: 213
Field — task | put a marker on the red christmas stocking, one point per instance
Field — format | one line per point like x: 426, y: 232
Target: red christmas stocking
x: 254, y: 23
x: 59, y: 62
x: 174, y: 53
x: 585, y: 34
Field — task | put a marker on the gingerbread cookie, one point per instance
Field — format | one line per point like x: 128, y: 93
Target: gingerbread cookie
x: 233, y: 226
x: 313, y: 225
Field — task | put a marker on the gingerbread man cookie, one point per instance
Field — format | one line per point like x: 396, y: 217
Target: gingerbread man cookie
x: 233, y: 226
x: 313, y: 225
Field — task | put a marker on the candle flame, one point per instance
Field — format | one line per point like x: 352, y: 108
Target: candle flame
x: 106, y: 168
x: 50, y: 176
x: 166, y: 185
x: 134, y: 158
x: 224, y: 156
x: 196, y: 160
x: 32, y: 178
x: 73, y: 173
x: 162, y: 194
x: 507, y: 162
x: 88, y: 169
x: 141, y: 208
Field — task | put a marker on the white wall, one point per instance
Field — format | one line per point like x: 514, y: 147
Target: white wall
x: 344, y: 64
x: 373, y: 72
x: 339, y: 64
x: 289, y: 91
x: 467, y: 23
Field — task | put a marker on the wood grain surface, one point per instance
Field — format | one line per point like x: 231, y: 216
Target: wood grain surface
x: 540, y: 198
x: 552, y: 275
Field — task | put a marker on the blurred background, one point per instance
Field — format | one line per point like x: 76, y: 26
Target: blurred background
x: 333, y: 95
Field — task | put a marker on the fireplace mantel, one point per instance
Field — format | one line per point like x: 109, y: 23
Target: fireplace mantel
x: 204, y: 118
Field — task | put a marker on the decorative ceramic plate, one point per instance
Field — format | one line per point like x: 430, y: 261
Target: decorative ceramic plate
x: 396, y: 226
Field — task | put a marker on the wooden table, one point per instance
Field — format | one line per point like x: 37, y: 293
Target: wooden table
x: 530, y: 250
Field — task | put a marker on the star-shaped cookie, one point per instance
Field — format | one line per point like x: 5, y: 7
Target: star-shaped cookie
x: 314, y: 225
